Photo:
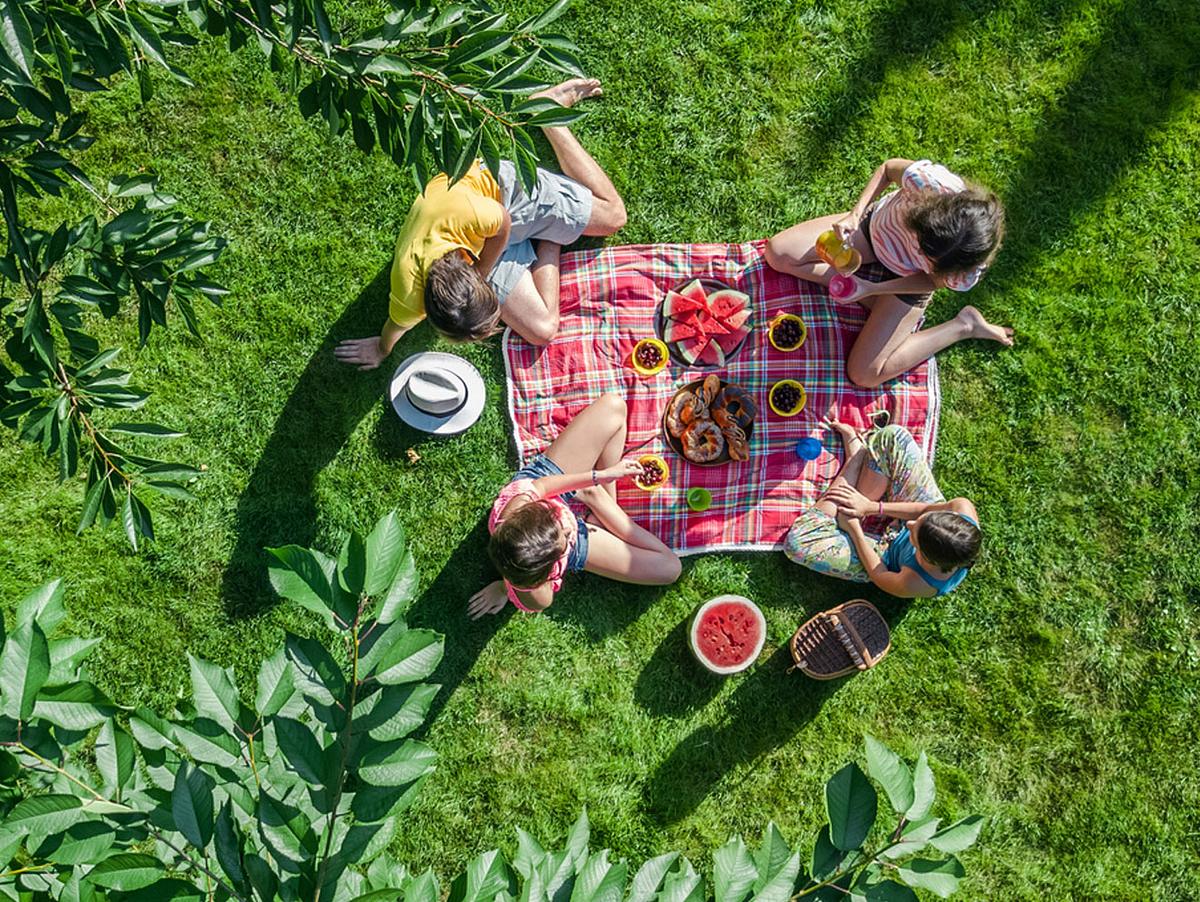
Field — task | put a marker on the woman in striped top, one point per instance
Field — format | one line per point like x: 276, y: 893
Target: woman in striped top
x: 935, y: 230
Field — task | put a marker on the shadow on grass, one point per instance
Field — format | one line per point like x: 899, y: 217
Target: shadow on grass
x: 768, y: 709
x: 326, y: 405
x: 1138, y: 76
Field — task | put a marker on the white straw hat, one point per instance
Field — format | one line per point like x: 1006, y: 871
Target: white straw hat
x: 438, y: 393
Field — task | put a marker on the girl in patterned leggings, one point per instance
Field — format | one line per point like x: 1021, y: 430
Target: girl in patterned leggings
x: 886, y: 475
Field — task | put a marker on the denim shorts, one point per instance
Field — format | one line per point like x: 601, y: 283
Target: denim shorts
x: 558, y: 210
x: 538, y: 466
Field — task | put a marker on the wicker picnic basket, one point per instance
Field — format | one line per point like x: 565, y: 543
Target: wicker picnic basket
x: 851, y: 637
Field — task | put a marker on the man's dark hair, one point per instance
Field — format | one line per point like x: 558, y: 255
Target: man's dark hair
x: 526, y: 545
x: 458, y: 303
x: 958, y: 232
x: 949, y: 540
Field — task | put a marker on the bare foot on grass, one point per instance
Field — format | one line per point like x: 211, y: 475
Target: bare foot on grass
x: 981, y: 328
x: 571, y: 91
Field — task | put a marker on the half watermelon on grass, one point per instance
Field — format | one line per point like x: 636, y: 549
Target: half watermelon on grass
x: 727, y: 634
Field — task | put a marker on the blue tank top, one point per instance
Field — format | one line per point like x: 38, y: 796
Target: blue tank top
x: 901, y: 553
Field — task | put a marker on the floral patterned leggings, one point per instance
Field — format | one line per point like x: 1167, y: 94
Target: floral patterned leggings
x: 814, y: 541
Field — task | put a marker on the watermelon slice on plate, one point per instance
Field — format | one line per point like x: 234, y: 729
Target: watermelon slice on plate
x: 737, y: 320
x: 676, y: 305
x: 690, y: 349
x: 728, y: 343
x: 726, y: 302
x: 676, y: 330
x: 712, y: 355
x: 711, y: 325
x: 694, y: 292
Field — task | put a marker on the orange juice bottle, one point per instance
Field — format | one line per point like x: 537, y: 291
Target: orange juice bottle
x: 842, y: 257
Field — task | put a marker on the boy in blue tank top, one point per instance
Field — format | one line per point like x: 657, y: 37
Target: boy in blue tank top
x: 886, y: 475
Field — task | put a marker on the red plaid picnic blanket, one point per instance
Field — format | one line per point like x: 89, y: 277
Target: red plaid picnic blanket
x: 609, y: 299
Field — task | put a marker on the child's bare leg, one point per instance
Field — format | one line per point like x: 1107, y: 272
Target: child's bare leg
x: 597, y: 433
x: 856, y: 453
x: 618, y: 559
x: 888, y: 347
x: 608, y: 210
x: 794, y: 250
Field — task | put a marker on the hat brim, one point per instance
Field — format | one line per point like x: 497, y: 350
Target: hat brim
x: 450, y: 424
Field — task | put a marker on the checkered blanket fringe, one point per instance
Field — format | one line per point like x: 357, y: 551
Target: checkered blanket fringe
x: 609, y: 299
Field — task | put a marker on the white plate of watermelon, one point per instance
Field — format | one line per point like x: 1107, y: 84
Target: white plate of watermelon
x: 704, y: 323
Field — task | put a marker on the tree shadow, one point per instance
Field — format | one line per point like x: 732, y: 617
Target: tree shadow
x: 328, y: 402
x: 1138, y: 76
x: 768, y: 709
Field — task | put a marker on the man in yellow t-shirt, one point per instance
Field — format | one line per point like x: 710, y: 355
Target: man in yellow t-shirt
x: 466, y: 257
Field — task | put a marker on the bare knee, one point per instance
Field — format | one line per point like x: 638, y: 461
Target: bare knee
x: 608, y: 216
x: 612, y: 405
x: 864, y: 375
x: 667, y: 569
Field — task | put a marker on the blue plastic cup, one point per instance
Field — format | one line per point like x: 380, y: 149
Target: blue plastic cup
x: 808, y: 448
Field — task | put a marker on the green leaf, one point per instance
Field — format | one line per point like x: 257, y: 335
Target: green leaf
x: 683, y: 885
x: 826, y: 858
x: 529, y: 854
x: 43, y: 605
x: 781, y: 886
x: 151, y: 429
x: 914, y: 838
x: 24, y: 668
x: 146, y: 37
x: 959, y: 836
x: 650, y: 877
x: 889, y: 891
x: 321, y: 21
x: 772, y: 855
x: 414, y: 656
x: 285, y: 828
x: 403, y: 589
x: 76, y: 706
x: 851, y: 804
x: 114, y: 758
x: 44, y: 814
x: 352, y: 564
x: 126, y: 871
x: 17, y: 37
x: 126, y: 226
x: 276, y: 687
x: 214, y: 693
x: 65, y: 657
x: 390, y: 765
x: 549, y: 16
x: 486, y: 875
x: 302, y: 751
x: 733, y: 871
x: 924, y: 791
x: 385, y: 64
x: 599, y: 880
x: 192, y: 805
x: 423, y: 889
x: 385, y: 549
x: 79, y: 844
x: 577, y: 839
x: 316, y: 674
x: 376, y: 803
x: 151, y: 731
x: 300, y: 577
x: 208, y: 742
x: 229, y: 846
x: 557, y: 116
x: 939, y: 877
x: 480, y: 46
x: 395, y: 711
x: 892, y: 774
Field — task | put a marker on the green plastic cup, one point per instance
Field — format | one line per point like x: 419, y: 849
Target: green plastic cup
x: 699, y: 500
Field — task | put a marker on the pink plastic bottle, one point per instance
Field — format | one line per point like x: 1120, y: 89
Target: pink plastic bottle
x: 842, y: 286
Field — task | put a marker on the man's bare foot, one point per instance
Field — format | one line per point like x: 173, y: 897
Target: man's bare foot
x: 979, y: 327
x: 571, y: 91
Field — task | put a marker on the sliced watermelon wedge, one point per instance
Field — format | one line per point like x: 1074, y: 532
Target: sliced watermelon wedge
x: 711, y: 325
x: 730, y: 342
x: 737, y: 320
x: 676, y: 305
x: 690, y: 349
x: 726, y: 302
x: 712, y: 355
x: 694, y: 292
x: 676, y: 330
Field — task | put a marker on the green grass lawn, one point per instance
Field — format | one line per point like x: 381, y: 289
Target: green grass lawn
x: 1056, y: 691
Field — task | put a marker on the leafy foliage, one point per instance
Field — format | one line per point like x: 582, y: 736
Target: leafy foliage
x: 295, y: 794
x: 433, y: 88
x: 298, y: 794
